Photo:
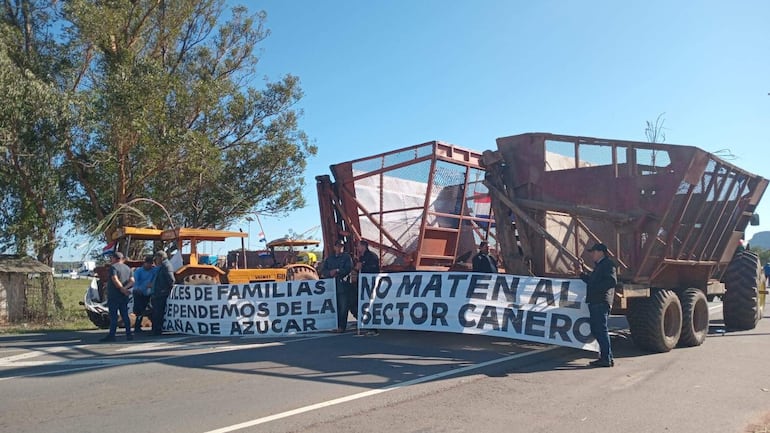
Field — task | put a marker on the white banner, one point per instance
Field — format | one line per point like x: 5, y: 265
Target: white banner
x: 525, y: 308
x: 265, y: 309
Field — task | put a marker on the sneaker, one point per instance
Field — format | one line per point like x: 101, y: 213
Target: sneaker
x: 602, y: 363
x: 107, y: 339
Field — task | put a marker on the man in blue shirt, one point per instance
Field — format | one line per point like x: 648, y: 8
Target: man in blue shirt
x: 143, y: 279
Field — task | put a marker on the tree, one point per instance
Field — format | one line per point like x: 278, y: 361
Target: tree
x: 34, y: 120
x: 172, y: 115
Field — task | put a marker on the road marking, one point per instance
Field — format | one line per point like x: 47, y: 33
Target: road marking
x: 373, y: 392
x: 10, y: 360
x: 100, y: 362
x: 141, y: 347
x: 91, y: 362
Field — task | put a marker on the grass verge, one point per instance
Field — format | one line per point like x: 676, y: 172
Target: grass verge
x: 72, y: 317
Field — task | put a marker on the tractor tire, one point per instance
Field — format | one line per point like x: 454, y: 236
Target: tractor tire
x: 199, y: 280
x: 742, y: 279
x: 656, y: 322
x: 101, y: 321
x: 695, y: 318
x: 298, y: 273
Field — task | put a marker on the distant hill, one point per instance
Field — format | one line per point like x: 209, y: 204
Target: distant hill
x: 761, y: 240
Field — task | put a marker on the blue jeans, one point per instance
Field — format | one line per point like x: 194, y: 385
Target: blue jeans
x: 118, y: 306
x: 599, y: 315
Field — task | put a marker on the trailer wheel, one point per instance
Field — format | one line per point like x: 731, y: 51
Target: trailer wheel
x: 743, y: 277
x: 695, y: 318
x: 656, y: 322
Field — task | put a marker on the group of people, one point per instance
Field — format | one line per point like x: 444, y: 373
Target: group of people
x: 150, y: 284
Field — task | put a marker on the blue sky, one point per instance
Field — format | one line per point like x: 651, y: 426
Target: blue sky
x: 380, y: 75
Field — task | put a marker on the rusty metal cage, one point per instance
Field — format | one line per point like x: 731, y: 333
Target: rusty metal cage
x: 672, y: 216
x: 422, y: 207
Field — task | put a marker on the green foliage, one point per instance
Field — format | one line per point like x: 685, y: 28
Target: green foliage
x: 172, y: 120
x: 110, y: 105
x: 764, y: 255
x: 34, y: 118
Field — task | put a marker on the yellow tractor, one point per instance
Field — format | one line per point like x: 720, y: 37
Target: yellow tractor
x: 199, y: 269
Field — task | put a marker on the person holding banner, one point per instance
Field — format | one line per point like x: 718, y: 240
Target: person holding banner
x: 483, y: 262
x: 600, y: 290
x: 338, y: 267
x: 368, y: 263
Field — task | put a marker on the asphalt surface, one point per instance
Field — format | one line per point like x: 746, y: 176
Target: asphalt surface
x: 395, y: 382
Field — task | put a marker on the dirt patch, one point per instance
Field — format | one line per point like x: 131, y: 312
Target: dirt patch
x: 763, y: 426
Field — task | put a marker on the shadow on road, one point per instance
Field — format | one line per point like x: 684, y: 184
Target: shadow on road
x: 391, y: 358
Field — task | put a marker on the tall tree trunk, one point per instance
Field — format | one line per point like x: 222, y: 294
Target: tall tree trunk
x: 45, y: 252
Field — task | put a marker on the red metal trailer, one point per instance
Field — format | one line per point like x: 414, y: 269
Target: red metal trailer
x: 422, y: 207
x: 672, y: 217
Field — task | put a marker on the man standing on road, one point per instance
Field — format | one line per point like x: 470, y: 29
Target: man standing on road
x: 118, y: 290
x: 338, y: 267
x: 368, y: 263
x: 161, y: 288
x: 600, y: 291
x: 143, y: 277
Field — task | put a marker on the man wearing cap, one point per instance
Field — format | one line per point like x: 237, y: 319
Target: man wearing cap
x: 118, y: 290
x: 143, y: 277
x: 338, y: 266
x: 483, y: 262
x: 600, y: 291
x: 161, y: 288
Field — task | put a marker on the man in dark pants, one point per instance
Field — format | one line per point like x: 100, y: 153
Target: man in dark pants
x: 161, y: 288
x: 338, y: 266
x: 600, y: 291
x: 118, y: 290
x: 368, y: 263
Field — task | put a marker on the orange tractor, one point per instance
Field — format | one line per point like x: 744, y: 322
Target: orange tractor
x: 198, y: 268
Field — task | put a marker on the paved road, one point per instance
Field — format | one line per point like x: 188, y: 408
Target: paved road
x: 395, y: 382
